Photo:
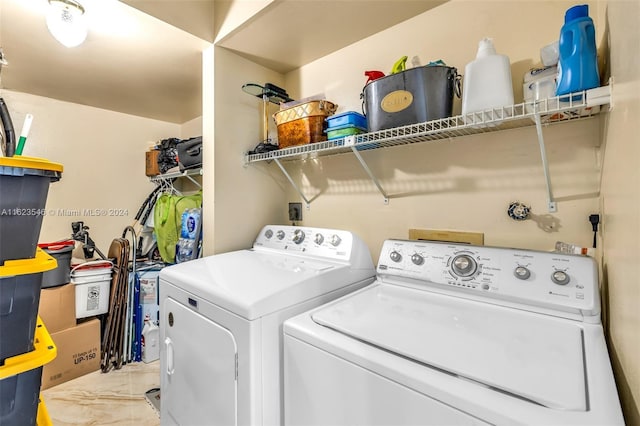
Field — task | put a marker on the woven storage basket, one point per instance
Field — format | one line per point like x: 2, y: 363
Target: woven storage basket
x: 304, y: 123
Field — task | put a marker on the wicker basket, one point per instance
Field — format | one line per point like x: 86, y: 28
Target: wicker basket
x: 304, y: 123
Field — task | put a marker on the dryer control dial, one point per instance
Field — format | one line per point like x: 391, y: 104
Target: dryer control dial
x: 560, y: 277
x: 298, y: 236
x: 280, y: 235
x: 319, y: 239
x: 395, y: 256
x: 522, y: 273
x: 335, y: 240
x: 268, y: 233
x: 464, y: 265
x: 417, y: 259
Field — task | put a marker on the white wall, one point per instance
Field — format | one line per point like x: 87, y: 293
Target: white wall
x: 191, y: 128
x: 620, y: 205
x: 466, y: 183
x: 103, y: 157
x: 243, y: 199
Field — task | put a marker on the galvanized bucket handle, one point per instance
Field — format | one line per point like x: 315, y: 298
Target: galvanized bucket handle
x: 457, y: 83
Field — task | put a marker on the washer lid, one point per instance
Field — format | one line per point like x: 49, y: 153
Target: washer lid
x: 532, y: 356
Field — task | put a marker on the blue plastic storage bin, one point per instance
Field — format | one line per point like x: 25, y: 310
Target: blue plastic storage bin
x: 347, y: 118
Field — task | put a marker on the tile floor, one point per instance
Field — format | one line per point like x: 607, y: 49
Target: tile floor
x: 114, y: 398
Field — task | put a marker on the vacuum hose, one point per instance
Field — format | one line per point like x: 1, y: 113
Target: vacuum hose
x: 9, y: 133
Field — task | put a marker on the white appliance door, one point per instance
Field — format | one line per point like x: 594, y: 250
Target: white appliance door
x: 198, y: 369
x: 536, y: 357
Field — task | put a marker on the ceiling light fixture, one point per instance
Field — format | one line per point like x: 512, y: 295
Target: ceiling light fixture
x: 66, y: 22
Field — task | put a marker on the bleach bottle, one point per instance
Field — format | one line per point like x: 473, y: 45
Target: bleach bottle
x: 150, y: 341
x: 578, y: 61
x: 487, y: 81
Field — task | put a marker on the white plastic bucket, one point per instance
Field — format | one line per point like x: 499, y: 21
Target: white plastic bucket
x: 92, y: 298
x: 91, y: 278
x: 92, y: 284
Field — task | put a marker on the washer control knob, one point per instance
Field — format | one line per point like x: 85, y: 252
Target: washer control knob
x: 298, y: 236
x: 335, y: 240
x: 417, y: 259
x: 464, y: 265
x: 268, y: 233
x: 522, y: 273
x: 280, y: 235
x: 319, y: 239
x: 395, y: 256
x: 560, y: 278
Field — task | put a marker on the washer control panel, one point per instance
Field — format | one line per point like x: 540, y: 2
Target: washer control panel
x: 330, y: 243
x: 550, y: 280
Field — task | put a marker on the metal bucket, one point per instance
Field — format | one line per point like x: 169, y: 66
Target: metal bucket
x: 413, y: 96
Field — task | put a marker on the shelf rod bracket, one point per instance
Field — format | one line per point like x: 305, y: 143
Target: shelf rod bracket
x: 195, y: 182
x: 551, y: 204
x: 284, y: 171
x: 371, y: 176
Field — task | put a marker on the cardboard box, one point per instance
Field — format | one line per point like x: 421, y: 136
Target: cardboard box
x: 78, y: 354
x: 151, y: 163
x: 58, y: 307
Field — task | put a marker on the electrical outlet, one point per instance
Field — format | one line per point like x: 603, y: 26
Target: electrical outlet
x: 295, y: 212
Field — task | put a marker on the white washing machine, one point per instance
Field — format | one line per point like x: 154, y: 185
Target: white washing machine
x: 456, y: 334
x: 221, y: 321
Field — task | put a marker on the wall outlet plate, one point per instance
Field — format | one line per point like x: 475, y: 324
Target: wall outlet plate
x: 295, y: 212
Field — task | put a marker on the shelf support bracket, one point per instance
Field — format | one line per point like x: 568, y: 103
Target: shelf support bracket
x: 371, y: 176
x: 551, y: 204
x: 195, y: 182
x: 284, y: 171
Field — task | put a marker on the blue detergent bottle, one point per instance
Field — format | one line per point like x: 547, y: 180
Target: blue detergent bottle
x: 578, y: 62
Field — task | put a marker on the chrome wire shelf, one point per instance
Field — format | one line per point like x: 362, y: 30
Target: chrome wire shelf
x: 167, y: 177
x: 552, y: 110
x: 559, y: 109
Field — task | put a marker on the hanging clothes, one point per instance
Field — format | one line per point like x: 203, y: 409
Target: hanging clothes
x: 167, y: 220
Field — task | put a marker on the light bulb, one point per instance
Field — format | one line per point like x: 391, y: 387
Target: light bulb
x: 66, y: 22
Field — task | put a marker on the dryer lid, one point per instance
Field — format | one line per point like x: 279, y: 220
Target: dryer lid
x: 253, y: 283
x: 531, y: 356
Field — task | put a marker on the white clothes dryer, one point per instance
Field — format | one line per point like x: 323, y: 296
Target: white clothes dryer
x: 221, y: 321
x: 456, y: 334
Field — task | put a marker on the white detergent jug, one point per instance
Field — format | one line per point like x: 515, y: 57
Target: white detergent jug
x: 150, y: 341
x: 487, y: 85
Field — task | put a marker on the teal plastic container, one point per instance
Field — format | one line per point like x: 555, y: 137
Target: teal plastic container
x: 343, y: 131
x: 578, y: 61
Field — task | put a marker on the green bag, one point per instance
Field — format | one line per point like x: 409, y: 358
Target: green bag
x: 167, y: 218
